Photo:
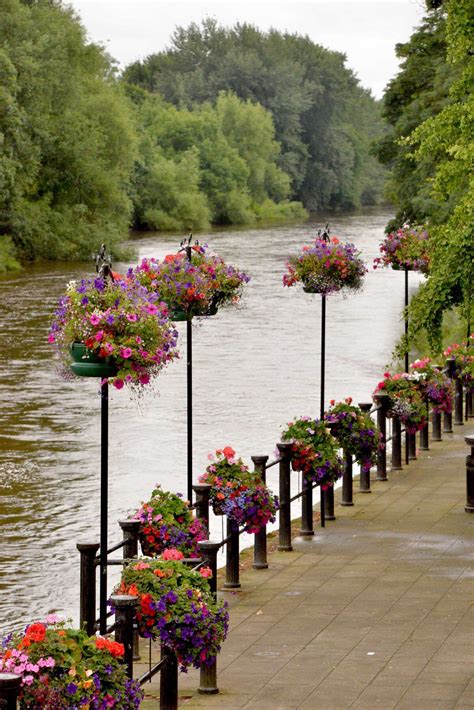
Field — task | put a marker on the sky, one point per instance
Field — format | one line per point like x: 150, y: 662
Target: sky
x: 365, y: 30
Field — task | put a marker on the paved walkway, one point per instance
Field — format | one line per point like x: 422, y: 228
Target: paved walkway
x: 375, y: 611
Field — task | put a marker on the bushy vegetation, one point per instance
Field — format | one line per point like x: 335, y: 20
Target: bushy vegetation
x: 66, y: 137
x: 230, y: 126
x: 430, y: 148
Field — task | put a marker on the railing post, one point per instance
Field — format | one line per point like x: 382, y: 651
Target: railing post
x: 447, y: 416
x: 411, y: 443
x: 424, y: 433
x: 458, y: 401
x: 396, y: 444
x: 347, y: 480
x: 9, y: 689
x: 468, y: 410
x: 307, y: 527
x: 284, y: 516
x: 382, y: 401
x: 232, y: 557
x: 130, y: 530
x: 87, y: 585
x: 436, y: 426
x: 208, y: 673
x: 209, y: 550
x: 202, y: 491
x: 469, y: 508
x: 124, y: 605
x: 364, y: 478
x: 168, y: 680
x: 329, y: 502
x: 260, y: 537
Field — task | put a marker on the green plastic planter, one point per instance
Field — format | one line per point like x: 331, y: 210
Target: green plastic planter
x: 178, y: 316
x: 399, y: 267
x: 87, y: 364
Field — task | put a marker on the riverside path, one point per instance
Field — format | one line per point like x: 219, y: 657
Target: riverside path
x: 375, y: 611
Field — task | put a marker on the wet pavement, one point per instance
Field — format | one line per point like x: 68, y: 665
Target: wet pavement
x: 374, y: 611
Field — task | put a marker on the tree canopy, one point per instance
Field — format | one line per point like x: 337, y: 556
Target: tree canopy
x: 430, y: 106
x: 324, y: 120
x: 67, y: 141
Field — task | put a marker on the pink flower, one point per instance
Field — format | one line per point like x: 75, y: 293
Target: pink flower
x: 118, y: 383
x: 151, y: 309
x: 132, y: 317
x: 172, y: 554
x: 205, y: 572
x: 51, y: 338
x: 144, y: 379
x: 94, y: 319
x: 142, y: 565
x: 52, y: 619
x: 99, y: 335
x: 125, y: 352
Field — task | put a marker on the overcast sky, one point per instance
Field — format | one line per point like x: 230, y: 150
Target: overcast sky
x: 366, y: 31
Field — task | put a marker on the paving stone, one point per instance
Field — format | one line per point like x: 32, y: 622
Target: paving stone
x: 379, y: 696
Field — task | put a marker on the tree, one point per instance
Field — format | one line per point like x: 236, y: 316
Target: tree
x: 67, y: 145
x: 324, y: 121
x: 447, y: 140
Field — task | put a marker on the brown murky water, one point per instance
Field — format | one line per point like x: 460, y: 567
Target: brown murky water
x: 255, y: 367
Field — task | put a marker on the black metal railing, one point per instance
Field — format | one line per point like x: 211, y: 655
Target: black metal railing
x: 124, y: 626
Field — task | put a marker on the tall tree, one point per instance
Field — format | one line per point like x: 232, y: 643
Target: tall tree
x: 447, y: 141
x: 68, y: 138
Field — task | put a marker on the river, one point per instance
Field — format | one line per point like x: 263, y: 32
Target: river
x: 255, y: 367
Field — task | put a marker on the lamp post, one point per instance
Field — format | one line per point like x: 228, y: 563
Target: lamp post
x: 103, y: 267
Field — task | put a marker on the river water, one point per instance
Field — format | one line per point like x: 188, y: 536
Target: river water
x: 255, y: 367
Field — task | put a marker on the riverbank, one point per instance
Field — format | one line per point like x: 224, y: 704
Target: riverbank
x: 374, y: 611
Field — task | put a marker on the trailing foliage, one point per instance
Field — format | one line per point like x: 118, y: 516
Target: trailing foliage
x: 324, y: 120
x: 431, y: 108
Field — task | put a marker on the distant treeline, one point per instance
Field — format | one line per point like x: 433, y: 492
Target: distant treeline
x: 228, y: 126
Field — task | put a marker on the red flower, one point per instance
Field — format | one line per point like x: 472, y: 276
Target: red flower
x: 36, y: 632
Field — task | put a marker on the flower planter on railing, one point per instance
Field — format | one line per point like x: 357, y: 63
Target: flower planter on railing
x: 63, y: 667
x: 166, y: 521
x: 175, y: 604
x: 237, y: 493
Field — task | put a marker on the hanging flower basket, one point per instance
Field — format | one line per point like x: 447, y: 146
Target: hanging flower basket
x: 85, y: 363
x: 355, y: 432
x: 406, y: 249
x: 326, y: 267
x: 167, y: 522
x: 314, y: 451
x: 114, y: 329
x: 177, y: 607
x: 238, y: 493
x: 64, y: 668
x: 190, y: 288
